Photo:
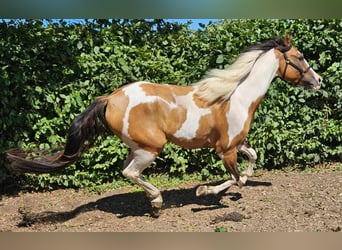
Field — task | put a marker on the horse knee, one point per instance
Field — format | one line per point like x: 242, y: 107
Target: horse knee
x: 253, y: 154
x: 130, y: 174
x: 250, y: 152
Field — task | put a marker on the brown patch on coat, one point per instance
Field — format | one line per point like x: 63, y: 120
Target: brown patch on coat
x: 205, y: 126
x: 230, y: 162
x: 161, y: 90
x: 165, y: 91
x: 221, y: 124
x: 200, y: 102
x: 150, y: 123
x: 181, y: 90
x: 116, y: 108
x: 189, y: 144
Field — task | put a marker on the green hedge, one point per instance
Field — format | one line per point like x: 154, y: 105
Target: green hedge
x: 50, y: 71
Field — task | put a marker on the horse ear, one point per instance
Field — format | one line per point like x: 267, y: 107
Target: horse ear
x: 287, y: 40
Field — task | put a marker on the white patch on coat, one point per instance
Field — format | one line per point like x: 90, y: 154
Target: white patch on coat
x: 136, y: 96
x: 193, y: 115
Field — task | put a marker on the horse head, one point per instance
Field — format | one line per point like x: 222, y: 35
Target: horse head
x: 294, y: 68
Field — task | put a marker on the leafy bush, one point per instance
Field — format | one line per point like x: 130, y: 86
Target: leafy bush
x: 50, y: 71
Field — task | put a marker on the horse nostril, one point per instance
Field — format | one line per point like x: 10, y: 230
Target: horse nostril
x: 320, y: 79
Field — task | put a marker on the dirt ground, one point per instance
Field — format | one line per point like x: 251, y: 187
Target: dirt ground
x: 271, y: 201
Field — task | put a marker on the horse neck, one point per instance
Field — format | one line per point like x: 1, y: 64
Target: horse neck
x: 254, y: 87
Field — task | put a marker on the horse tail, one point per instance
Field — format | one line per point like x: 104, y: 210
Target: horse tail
x: 84, y: 130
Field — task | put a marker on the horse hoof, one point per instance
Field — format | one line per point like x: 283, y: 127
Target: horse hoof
x: 156, y: 212
x: 201, y: 190
x: 156, y: 204
x: 242, y: 181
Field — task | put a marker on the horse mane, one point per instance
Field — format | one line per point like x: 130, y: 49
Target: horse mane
x: 219, y: 84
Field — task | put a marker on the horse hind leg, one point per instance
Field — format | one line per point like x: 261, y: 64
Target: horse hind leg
x: 137, y: 161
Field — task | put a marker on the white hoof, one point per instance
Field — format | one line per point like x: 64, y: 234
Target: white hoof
x: 201, y: 191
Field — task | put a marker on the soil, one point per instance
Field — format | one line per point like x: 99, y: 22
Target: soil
x: 270, y: 201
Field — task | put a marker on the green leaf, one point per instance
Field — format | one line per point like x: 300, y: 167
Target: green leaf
x: 38, y: 89
x: 49, y: 99
x: 79, y: 45
x: 96, y: 49
x: 220, y: 59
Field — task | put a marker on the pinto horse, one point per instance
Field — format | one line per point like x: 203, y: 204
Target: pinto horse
x: 213, y: 113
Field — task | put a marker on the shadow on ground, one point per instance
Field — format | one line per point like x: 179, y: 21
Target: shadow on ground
x: 135, y: 204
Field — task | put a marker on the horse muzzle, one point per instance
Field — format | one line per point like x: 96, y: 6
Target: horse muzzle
x: 314, y: 83
x: 312, y: 86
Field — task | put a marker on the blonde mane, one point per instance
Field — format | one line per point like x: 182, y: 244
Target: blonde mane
x: 221, y: 83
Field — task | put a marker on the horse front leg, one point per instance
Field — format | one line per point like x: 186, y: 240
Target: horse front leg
x: 229, y: 159
x: 252, y: 156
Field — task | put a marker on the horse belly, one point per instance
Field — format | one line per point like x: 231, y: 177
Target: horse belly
x: 195, y: 132
x: 203, y: 142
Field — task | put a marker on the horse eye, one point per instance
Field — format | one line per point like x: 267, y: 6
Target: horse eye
x: 301, y: 58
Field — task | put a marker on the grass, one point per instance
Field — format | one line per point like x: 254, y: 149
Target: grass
x: 99, y: 189
x: 221, y: 230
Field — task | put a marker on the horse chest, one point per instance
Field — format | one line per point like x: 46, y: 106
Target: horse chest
x: 239, y: 117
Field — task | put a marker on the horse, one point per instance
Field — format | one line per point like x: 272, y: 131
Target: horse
x: 215, y: 112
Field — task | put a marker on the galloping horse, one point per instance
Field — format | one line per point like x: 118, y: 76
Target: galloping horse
x: 213, y: 113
